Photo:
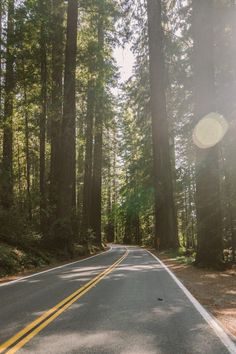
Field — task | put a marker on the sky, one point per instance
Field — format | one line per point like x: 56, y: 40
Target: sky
x: 125, y: 60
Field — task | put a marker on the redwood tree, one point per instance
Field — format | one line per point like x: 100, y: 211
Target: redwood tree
x: 88, y: 164
x: 56, y: 105
x: 165, y: 215
x: 98, y: 138
x: 209, y: 233
x: 7, y: 161
x: 43, y: 116
x: 67, y: 163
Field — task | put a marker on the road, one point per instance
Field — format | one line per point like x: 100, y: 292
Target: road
x: 127, y: 303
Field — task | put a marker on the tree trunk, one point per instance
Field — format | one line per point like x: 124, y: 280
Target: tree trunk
x: 19, y: 175
x: 137, y: 231
x: 7, y: 168
x: 80, y: 172
x: 88, y: 165
x: 165, y: 214
x: 231, y: 146
x: 114, y: 190
x: 98, y: 141
x: 110, y: 229
x: 209, y: 237
x: 67, y: 166
x: 27, y: 152
x: 56, y: 106
x: 43, y: 117
x: 1, y: 23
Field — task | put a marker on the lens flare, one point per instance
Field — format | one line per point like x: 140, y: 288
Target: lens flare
x: 210, y: 130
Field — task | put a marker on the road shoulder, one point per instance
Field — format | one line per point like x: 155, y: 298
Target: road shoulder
x: 215, y: 290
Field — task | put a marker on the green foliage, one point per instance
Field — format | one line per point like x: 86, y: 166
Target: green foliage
x: 9, y: 263
x: 16, y: 230
x: 135, y: 212
x: 14, y: 259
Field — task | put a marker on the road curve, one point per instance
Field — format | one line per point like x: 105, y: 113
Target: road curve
x: 134, y: 307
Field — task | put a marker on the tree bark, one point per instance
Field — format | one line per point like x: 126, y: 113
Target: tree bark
x: 231, y: 146
x: 209, y: 236
x: 42, y: 124
x: 7, y: 162
x: 19, y: 174
x: 88, y: 165
x: 67, y: 166
x: 27, y: 150
x: 80, y: 173
x: 165, y: 214
x: 110, y: 229
x: 98, y: 139
x: 56, y: 106
x: 1, y: 17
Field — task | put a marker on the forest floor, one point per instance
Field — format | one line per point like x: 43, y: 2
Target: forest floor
x: 215, y: 290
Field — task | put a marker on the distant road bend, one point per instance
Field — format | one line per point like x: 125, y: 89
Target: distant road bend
x: 122, y: 301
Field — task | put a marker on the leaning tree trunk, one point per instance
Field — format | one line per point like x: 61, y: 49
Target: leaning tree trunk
x: 67, y: 166
x: 165, y: 215
x: 209, y: 236
x: 7, y: 162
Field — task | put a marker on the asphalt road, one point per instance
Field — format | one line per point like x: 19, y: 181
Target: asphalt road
x: 134, y: 308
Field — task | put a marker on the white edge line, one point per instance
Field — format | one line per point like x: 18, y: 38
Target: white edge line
x: 52, y: 269
x: 223, y: 336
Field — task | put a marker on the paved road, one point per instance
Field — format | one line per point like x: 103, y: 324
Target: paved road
x: 137, y: 308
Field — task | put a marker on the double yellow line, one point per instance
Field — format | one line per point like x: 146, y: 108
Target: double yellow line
x: 26, y: 334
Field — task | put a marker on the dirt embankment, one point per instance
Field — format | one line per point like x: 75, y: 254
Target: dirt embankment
x: 16, y: 263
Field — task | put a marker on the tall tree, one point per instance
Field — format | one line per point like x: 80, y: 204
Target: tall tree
x: 43, y: 114
x: 67, y: 166
x: 56, y: 106
x: 209, y: 233
x: 229, y: 109
x: 27, y: 145
x: 1, y: 68
x: 7, y: 162
x: 165, y: 215
x: 88, y: 164
x: 98, y: 138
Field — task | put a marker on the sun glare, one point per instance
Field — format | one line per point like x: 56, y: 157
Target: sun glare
x: 210, y: 130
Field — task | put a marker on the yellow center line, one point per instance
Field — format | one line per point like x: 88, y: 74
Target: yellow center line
x: 53, y: 313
